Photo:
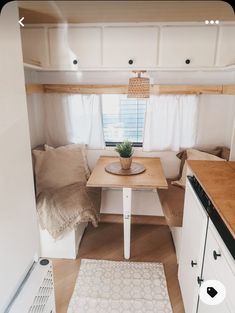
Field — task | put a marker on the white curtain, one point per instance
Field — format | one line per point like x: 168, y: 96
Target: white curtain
x: 170, y: 122
x: 73, y: 118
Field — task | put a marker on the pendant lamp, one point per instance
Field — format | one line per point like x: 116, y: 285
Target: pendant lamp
x: 139, y: 87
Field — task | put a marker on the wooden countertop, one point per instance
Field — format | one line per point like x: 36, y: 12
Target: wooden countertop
x: 218, y: 180
x: 152, y: 177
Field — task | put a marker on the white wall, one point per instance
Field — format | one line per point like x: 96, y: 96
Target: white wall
x: 19, y: 236
x: 35, y: 111
x: 36, y: 119
x: 215, y: 120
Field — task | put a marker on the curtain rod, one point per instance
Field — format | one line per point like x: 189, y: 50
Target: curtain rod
x: 122, y: 89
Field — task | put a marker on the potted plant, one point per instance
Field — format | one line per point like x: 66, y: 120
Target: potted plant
x: 125, y: 150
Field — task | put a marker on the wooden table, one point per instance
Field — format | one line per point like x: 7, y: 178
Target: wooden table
x: 152, y: 177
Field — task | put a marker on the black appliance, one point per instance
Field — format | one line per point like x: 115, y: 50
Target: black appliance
x: 213, y: 215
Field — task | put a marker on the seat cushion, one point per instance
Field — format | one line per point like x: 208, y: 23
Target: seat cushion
x: 172, y: 201
x: 55, y: 168
x: 193, y: 154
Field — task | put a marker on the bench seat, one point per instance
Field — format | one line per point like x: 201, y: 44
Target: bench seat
x: 172, y: 201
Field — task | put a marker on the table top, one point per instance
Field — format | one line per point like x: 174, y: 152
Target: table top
x: 152, y: 177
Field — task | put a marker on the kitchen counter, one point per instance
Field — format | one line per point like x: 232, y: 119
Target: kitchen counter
x: 218, y: 180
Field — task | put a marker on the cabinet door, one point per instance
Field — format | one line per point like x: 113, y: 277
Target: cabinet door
x: 192, y: 246
x: 130, y: 46
x: 226, y: 46
x: 34, y: 46
x: 75, y: 47
x: 221, y: 268
x: 194, y: 43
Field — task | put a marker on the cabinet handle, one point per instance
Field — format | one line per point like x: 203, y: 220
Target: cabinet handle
x: 193, y: 263
x: 187, y: 61
x: 215, y: 255
x: 131, y: 61
x: 199, y: 280
x: 75, y: 62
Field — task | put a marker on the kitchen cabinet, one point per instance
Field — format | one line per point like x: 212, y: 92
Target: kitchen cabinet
x: 226, y: 46
x: 194, y: 230
x: 187, y: 46
x: 130, y: 47
x: 75, y: 47
x: 218, y: 265
x: 208, y: 249
x: 34, y: 46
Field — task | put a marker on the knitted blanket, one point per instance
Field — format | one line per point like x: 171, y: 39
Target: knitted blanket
x: 61, y: 209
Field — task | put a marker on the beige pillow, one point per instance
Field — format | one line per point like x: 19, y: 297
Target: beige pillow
x: 58, y: 167
x: 193, y: 154
x: 75, y: 147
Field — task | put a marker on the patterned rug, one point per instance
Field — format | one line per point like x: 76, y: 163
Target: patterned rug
x: 120, y: 287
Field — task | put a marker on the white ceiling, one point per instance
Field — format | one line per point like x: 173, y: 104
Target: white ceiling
x: 123, y: 11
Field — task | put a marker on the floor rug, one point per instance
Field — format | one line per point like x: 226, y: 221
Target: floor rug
x: 120, y: 287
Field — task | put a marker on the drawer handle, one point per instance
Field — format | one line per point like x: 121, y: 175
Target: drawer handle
x: 75, y: 62
x: 193, y: 263
x: 131, y: 61
x: 199, y: 280
x: 187, y: 61
x: 215, y: 255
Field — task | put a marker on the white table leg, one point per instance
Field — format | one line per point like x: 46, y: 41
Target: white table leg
x: 127, y: 193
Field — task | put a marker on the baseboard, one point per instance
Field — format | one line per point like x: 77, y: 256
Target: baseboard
x: 135, y: 219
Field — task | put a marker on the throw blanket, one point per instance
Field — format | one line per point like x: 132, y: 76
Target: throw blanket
x: 63, y: 208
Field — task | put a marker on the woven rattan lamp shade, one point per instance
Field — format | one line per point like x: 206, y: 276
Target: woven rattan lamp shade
x: 139, y: 87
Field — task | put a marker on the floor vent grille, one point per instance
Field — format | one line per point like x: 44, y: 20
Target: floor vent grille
x: 36, y: 293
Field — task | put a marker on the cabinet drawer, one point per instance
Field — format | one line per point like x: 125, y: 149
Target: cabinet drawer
x: 226, y: 46
x: 75, y: 47
x: 130, y: 46
x: 194, y: 43
x: 34, y: 46
x: 218, y: 265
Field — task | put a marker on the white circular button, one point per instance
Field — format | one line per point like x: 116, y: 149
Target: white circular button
x: 212, y: 292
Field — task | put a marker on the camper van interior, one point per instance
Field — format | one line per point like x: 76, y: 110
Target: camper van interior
x: 117, y: 163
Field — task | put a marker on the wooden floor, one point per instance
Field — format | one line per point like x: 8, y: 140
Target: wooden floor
x: 148, y: 243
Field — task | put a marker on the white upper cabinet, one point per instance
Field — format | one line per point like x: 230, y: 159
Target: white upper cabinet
x: 35, y: 50
x: 75, y: 47
x: 130, y: 47
x: 187, y: 46
x: 226, y: 46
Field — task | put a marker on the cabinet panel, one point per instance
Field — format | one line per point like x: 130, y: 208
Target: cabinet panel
x: 79, y: 45
x: 192, y: 248
x: 222, y: 269
x: 226, y: 46
x: 34, y: 46
x: 121, y: 44
x: 194, y: 43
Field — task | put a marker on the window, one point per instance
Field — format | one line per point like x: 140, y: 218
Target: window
x: 123, y: 119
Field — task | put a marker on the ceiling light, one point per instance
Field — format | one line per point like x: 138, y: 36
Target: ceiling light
x: 139, y: 87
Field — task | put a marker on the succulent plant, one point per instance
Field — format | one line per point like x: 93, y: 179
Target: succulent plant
x: 125, y: 149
